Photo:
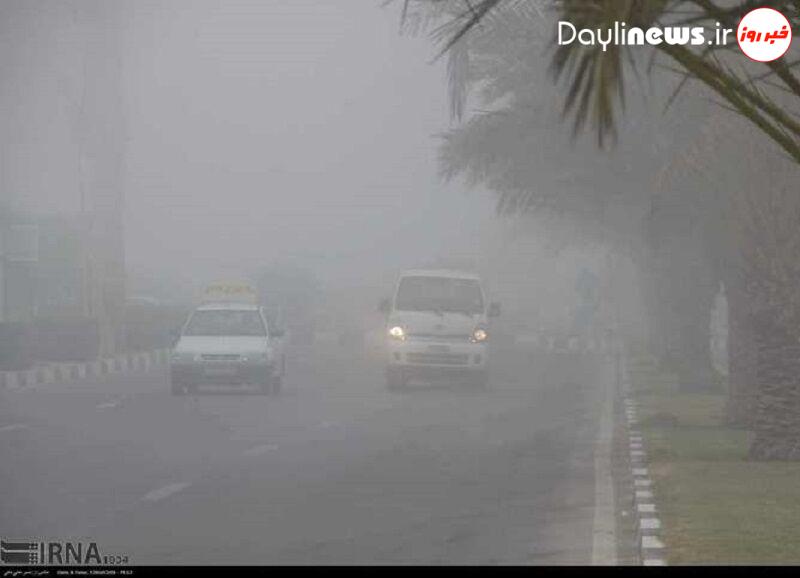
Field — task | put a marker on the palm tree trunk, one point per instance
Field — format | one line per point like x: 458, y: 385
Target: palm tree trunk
x: 742, y: 359
x: 777, y: 408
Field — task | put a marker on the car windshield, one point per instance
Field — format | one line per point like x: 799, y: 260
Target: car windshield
x: 439, y: 294
x: 226, y: 322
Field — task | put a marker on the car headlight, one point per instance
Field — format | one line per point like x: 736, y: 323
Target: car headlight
x: 479, y: 335
x: 397, y: 332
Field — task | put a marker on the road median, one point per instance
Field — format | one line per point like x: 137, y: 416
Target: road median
x: 55, y: 373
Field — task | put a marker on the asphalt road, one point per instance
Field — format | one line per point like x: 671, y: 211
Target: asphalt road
x: 334, y: 470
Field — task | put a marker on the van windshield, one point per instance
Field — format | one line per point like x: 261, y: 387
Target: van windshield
x: 443, y: 294
x: 226, y: 322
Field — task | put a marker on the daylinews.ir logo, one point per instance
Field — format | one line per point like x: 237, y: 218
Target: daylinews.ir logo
x: 31, y: 553
x: 764, y: 34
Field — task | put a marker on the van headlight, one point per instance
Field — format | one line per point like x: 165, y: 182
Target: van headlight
x: 479, y: 335
x: 397, y: 332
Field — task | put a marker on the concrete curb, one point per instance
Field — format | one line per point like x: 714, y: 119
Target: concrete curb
x: 71, y: 372
x: 652, y: 551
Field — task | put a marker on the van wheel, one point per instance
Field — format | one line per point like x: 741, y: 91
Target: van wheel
x: 395, y: 378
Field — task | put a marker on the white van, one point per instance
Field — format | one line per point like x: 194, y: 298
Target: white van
x: 437, y: 326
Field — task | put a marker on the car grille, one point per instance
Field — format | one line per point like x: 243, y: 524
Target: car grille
x: 435, y: 337
x: 437, y: 358
x: 220, y: 357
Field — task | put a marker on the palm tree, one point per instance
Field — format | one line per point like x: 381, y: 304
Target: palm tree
x: 516, y: 145
x: 765, y: 95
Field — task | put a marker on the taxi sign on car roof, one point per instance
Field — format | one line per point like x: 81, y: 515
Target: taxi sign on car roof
x: 230, y: 293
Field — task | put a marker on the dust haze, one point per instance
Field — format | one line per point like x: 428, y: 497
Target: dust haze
x: 303, y: 282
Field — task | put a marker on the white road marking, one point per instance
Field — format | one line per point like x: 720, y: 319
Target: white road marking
x: 260, y: 450
x: 13, y: 426
x: 108, y: 405
x: 165, y: 492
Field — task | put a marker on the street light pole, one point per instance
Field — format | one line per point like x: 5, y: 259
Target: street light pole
x: 101, y: 145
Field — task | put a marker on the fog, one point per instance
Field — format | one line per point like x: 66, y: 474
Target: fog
x: 305, y: 282
x: 252, y: 132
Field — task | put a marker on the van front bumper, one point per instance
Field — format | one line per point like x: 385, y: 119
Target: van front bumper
x: 432, y: 357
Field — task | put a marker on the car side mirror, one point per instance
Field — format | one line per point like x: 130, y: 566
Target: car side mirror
x: 174, y: 336
x: 385, y: 306
x: 494, y: 309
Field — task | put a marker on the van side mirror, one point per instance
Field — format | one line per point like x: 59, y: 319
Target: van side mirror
x: 385, y: 306
x: 174, y: 336
x: 494, y: 309
x: 277, y: 332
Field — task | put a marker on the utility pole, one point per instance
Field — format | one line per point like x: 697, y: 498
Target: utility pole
x: 102, y: 138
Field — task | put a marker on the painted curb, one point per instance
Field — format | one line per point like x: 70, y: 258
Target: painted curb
x: 71, y: 372
x: 652, y: 551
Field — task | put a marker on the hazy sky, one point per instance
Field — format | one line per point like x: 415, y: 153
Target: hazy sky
x: 261, y: 129
x: 256, y: 130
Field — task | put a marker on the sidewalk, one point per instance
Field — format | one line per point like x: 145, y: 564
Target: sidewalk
x: 66, y: 372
